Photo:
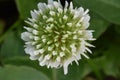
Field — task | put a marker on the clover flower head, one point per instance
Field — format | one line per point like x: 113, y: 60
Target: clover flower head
x: 56, y: 35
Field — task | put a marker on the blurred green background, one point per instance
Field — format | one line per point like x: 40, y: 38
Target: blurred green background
x: 105, y: 60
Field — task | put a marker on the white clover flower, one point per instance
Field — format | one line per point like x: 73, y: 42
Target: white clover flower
x: 57, y: 36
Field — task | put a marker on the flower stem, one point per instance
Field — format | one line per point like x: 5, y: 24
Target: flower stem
x: 54, y: 74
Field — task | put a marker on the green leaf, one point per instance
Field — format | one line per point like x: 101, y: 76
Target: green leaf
x: 108, y: 9
x: 20, y: 61
x: 117, y: 29
x: 25, y: 6
x: 98, y: 24
x: 10, y: 72
x: 112, y: 56
x: 95, y: 69
x: 12, y: 46
x: 109, y: 61
x: 75, y: 72
x: 108, y: 66
x: 99, y: 27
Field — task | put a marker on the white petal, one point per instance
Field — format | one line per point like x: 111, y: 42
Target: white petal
x: 86, y: 25
x: 78, y: 25
x: 81, y: 11
x: 57, y: 44
x: 26, y: 36
x: 41, y: 51
x: 35, y: 26
x: 66, y: 64
x: 86, y: 12
x: 44, y: 40
x: 50, y: 1
x: 66, y: 4
x: 35, y: 32
x: 54, y: 64
x: 43, y: 62
x: 58, y: 59
x: 86, y: 21
x: 86, y: 18
x: 28, y: 29
x: 29, y: 43
x: 38, y: 46
x: 50, y: 20
x: 78, y: 56
x: 77, y: 62
x: 36, y: 12
x: 34, y: 43
x: 40, y: 11
x: 30, y: 23
x: 34, y: 15
x: 54, y: 53
x: 42, y: 6
x: 43, y: 36
x: 69, y: 24
x: 88, y: 35
x: 47, y: 57
x: 65, y: 36
x: 49, y: 42
x: 62, y: 54
x: 44, y: 17
x: 75, y: 37
x: 29, y: 49
x: 33, y: 57
x: 40, y: 58
x: 65, y: 17
x: 85, y: 55
x: 36, y: 38
x: 78, y: 13
x: 73, y: 48
x: 82, y: 47
x: 36, y: 52
x: 50, y: 6
x: 82, y: 18
x: 87, y: 44
x: 88, y: 50
x: 32, y: 20
x: 60, y: 10
x: 52, y: 13
x: 63, y: 48
x: 57, y: 4
x: 71, y: 5
x: 50, y: 48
